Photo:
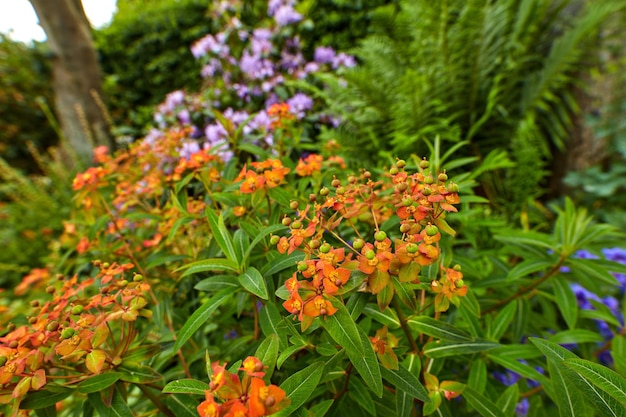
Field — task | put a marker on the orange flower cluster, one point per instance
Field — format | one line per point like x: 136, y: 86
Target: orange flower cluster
x: 313, y: 163
x: 280, y: 115
x: 71, y: 327
x: 232, y: 396
x: 380, y: 265
x: 201, y: 159
x: 90, y: 179
x: 266, y: 174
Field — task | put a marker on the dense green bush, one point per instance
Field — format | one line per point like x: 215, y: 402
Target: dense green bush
x: 144, y: 54
x: 500, y: 75
x: 25, y: 91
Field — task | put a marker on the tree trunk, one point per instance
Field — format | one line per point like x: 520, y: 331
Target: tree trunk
x: 76, y: 76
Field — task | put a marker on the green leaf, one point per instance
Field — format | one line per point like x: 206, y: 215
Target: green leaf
x: 566, y: 300
x: 387, y: 317
x: 404, y: 403
x: 482, y: 404
x: 213, y: 264
x: 585, y: 269
x: 520, y: 368
x: 404, y: 380
x: 605, y: 404
x: 618, y: 352
x: 199, y: 317
x: 470, y: 304
x: 535, y: 239
x: 138, y: 373
x: 320, y: 409
x: 98, y: 382
x: 343, y: 330
x: 565, y: 395
x: 217, y: 283
x: 508, y: 400
x: 118, y: 407
x: 523, y: 269
x: 602, y: 377
x: 281, y: 263
x: 42, y: 399
x: 367, y: 365
x: 300, y: 386
x: 241, y: 243
x: 438, y: 329
x: 186, y: 386
x: 269, y: 319
x: 503, y: 320
x: 182, y: 405
x: 222, y: 235
x: 444, y: 349
x: 478, y: 375
x: 253, y: 281
x: 360, y: 394
x: 286, y: 354
x: 576, y: 336
x: 50, y: 411
x: 267, y: 353
x: 551, y: 350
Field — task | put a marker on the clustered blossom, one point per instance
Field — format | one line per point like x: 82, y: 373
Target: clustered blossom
x: 417, y: 199
x: 232, y: 396
x: 70, y: 328
x: 266, y: 174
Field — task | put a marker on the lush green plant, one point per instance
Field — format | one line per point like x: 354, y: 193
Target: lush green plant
x: 24, y: 89
x: 497, y: 74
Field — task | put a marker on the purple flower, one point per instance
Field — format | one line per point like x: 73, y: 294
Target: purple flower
x: 324, y: 55
x: 152, y: 136
x: 256, y: 67
x: 286, y: 15
x: 188, y: 149
x: 344, y: 60
x: 215, y: 133
x: 299, y: 103
x: 184, y: 116
x: 173, y: 99
x: 210, y: 69
x: 210, y: 44
x: 521, y: 410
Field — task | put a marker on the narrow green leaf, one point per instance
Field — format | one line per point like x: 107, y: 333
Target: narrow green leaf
x: 138, y: 373
x: 253, y: 281
x: 217, y: 283
x: 528, y: 267
x: 576, y: 336
x: 98, y: 382
x: 443, y: 349
x: 267, y: 353
x: 269, y: 319
x: 438, y: 329
x: 300, y: 386
x: 508, y: 400
x: 286, y: 354
x: 536, y: 239
x: 404, y: 403
x: 478, y: 375
x: 182, y: 405
x: 320, y: 409
x: 566, y: 300
x: 366, y: 364
x: 360, y: 394
x: 222, y: 235
x: 241, y: 243
x: 42, y: 399
x: 604, y: 378
x: 604, y: 404
x: 618, y: 352
x: 520, y: 368
x: 404, y: 380
x: 482, y: 404
x: 281, y: 263
x: 470, y: 304
x: 503, y: 320
x: 343, y: 330
x: 186, y: 386
x: 586, y: 269
x: 566, y: 396
x: 213, y: 264
x: 387, y: 317
x: 119, y: 407
x: 200, y: 316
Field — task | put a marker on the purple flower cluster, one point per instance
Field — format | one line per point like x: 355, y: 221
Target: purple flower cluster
x: 509, y: 378
x: 283, y: 12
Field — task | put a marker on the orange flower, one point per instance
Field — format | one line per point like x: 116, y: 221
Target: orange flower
x: 310, y: 165
x: 209, y: 408
x: 265, y: 400
x: 318, y: 306
x: 252, y: 181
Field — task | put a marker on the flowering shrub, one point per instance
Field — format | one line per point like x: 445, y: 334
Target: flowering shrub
x: 190, y: 282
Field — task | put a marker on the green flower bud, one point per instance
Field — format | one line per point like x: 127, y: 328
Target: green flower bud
x: 77, y: 309
x: 443, y: 177
x: 428, y: 179
x: 3, y: 360
x: 411, y: 247
x: 405, y: 228
x: 302, y: 266
x: 393, y: 170
x: 286, y: 221
x: 380, y: 236
x: 325, y: 248
x: 431, y: 230
x: 294, y: 205
x: 52, y: 326
x: 453, y: 188
x: 297, y: 224
x: 67, y: 333
x: 324, y: 191
x: 138, y: 278
x: 358, y: 244
x: 370, y: 254
x: 424, y: 164
x: 315, y: 243
x: 401, y: 163
x: 274, y: 240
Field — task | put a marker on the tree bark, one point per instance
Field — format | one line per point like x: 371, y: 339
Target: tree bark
x: 76, y: 75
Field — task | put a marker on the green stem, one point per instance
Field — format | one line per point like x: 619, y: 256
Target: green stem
x: 405, y: 327
x: 156, y: 401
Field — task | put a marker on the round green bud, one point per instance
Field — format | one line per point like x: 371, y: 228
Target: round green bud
x: 341, y: 190
x: 138, y: 277
x: 380, y: 236
x: 324, y: 191
x: 427, y: 191
x: 52, y: 326
x: 370, y: 254
x: 296, y: 224
x: 11, y: 327
x: 3, y: 360
x: 431, y: 230
x: 312, y: 197
x: 393, y: 170
x: 358, y: 244
x: 457, y: 267
x: 302, y: 266
x: 411, y: 247
x: 32, y: 320
x: 453, y: 188
x: 428, y: 179
x: 105, y: 265
x: 315, y: 243
x: 335, y: 183
x: 77, y: 309
x: 286, y: 221
x: 424, y: 164
x: 405, y: 228
x: 460, y: 283
x: 407, y: 201
x: 443, y: 177
x: 274, y: 240
x: 67, y: 333
x: 50, y: 289
x: 367, y: 175
x: 325, y: 248
x: 14, y: 344
x: 294, y: 205
x: 122, y: 283
x: 402, y: 187
x: 401, y: 163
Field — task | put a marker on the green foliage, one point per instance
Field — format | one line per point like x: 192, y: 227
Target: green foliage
x: 25, y: 86
x: 500, y: 75
x: 144, y: 54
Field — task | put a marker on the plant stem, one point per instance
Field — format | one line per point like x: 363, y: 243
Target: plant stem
x: 156, y: 401
x: 405, y: 327
x: 524, y: 290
